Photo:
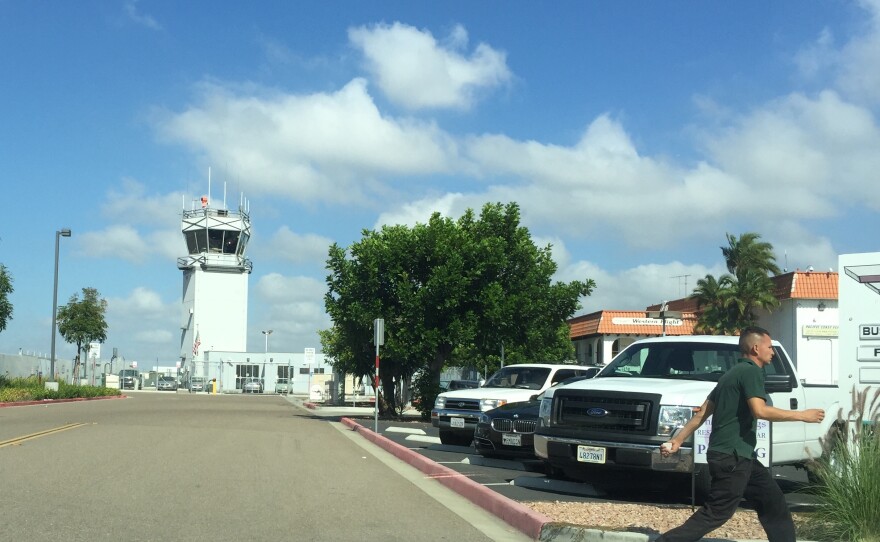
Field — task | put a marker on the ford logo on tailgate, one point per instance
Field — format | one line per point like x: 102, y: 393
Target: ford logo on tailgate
x: 597, y: 412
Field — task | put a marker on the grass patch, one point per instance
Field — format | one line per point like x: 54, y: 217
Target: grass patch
x: 14, y: 390
x: 848, y: 476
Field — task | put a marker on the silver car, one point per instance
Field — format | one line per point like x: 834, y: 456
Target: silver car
x: 252, y: 385
x: 167, y: 383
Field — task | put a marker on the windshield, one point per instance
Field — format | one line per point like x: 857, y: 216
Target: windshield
x: 166, y: 378
x: 684, y: 360
x: 512, y: 376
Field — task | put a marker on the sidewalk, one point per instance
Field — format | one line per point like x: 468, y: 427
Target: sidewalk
x: 525, y: 519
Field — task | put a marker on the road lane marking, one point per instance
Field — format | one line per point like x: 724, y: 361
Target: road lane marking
x: 426, y: 439
x: 410, y: 430
x: 25, y: 438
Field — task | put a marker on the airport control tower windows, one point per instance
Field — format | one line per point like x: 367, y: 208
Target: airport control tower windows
x: 230, y: 242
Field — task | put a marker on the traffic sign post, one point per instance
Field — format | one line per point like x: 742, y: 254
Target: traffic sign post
x: 379, y: 339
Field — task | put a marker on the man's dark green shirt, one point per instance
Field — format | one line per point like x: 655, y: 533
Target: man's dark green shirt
x: 733, y: 426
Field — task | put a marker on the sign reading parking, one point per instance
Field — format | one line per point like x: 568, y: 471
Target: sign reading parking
x: 762, y: 449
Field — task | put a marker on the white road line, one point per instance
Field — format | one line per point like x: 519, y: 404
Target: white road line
x: 410, y: 430
x: 420, y: 438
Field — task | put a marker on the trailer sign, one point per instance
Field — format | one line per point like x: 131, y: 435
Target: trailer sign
x: 869, y: 332
x: 869, y: 353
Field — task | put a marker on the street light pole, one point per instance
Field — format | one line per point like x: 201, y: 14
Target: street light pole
x: 58, y: 234
x: 267, y: 332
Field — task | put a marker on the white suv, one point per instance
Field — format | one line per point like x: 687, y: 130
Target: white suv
x: 456, y: 412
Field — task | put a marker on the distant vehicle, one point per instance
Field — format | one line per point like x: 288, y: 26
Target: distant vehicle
x: 197, y: 383
x: 167, y: 383
x: 282, y: 386
x: 129, y: 379
x: 252, y: 385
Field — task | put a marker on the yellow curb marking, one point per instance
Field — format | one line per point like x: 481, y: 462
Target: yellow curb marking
x: 19, y: 440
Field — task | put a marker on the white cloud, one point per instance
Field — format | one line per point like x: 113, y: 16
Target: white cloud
x: 131, y: 203
x: 300, y: 248
x: 328, y: 147
x: 859, y: 58
x: 409, y: 214
x: 142, y: 322
x: 293, y: 307
x: 142, y: 19
x: 416, y: 71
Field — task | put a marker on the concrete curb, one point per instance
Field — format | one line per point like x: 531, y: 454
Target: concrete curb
x: 54, y: 401
x: 517, y: 515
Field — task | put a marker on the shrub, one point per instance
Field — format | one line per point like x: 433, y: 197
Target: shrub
x: 848, y: 476
x: 34, y: 389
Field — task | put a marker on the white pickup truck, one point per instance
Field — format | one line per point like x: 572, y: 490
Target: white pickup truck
x: 456, y: 413
x: 616, y: 421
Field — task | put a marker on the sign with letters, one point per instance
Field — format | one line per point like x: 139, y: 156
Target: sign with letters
x: 762, y: 448
x: 869, y: 332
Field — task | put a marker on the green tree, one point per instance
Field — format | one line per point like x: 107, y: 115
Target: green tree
x: 5, y: 289
x: 450, y: 292
x: 82, y: 322
x: 729, y: 303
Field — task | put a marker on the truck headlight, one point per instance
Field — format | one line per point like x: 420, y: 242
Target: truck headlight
x: 544, y: 411
x: 489, y: 404
x: 440, y: 402
x: 672, y: 418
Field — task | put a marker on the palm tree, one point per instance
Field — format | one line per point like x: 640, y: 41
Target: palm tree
x: 747, y: 253
x: 729, y: 302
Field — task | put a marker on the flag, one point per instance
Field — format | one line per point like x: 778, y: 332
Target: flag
x: 196, y: 345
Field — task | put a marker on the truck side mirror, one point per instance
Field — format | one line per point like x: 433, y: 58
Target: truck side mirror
x: 778, y: 383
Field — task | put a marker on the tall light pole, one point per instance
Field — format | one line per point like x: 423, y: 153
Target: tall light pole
x: 58, y: 234
x: 267, y: 332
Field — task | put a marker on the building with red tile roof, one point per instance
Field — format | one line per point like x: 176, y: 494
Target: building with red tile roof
x: 805, y: 322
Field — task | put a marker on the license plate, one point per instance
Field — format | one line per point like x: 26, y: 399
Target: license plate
x: 456, y: 422
x: 591, y: 454
x: 511, y: 439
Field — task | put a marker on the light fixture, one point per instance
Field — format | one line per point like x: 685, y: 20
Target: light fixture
x: 58, y: 234
x: 821, y: 306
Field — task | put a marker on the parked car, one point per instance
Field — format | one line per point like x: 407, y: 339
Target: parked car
x: 197, y: 383
x: 129, y: 379
x: 252, y: 385
x: 282, y: 386
x: 457, y: 412
x: 167, y: 383
x: 509, y: 430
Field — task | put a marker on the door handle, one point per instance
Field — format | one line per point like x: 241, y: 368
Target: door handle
x: 793, y: 403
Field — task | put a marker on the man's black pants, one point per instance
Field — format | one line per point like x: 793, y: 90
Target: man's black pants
x: 733, y: 479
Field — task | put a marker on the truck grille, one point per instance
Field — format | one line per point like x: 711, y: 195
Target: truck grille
x: 463, y: 404
x: 605, y: 411
x: 514, y: 426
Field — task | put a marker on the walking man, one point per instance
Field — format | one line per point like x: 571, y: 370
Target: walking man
x: 737, y: 402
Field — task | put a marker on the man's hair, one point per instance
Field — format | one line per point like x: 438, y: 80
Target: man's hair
x: 750, y: 337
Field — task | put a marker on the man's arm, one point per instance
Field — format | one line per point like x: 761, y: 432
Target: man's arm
x: 672, y: 446
x: 760, y: 409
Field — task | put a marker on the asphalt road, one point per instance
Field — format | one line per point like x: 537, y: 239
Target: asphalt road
x: 179, y: 466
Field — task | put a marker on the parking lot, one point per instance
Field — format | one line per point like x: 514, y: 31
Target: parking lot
x: 525, y: 481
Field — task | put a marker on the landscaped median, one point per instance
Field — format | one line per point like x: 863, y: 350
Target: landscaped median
x: 33, y: 391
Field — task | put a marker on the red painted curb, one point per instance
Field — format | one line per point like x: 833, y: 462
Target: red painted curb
x: 54, y: 401
x: 312, y: 406
x: 520, y: 516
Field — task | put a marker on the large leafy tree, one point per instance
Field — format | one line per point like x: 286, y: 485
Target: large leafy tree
x: 82, y: 322
x: 5, y: 290
x: 449, y: 292
x: 729, y: 302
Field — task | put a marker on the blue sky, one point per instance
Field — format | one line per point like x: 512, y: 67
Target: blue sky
x: 634, y: 135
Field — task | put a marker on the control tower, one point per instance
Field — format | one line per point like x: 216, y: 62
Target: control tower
x: 215, y: 280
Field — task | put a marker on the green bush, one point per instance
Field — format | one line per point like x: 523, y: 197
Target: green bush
x: 848, y: 476
x: 33, y: 389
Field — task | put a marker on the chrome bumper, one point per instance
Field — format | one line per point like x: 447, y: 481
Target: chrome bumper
x: 681, y: 461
